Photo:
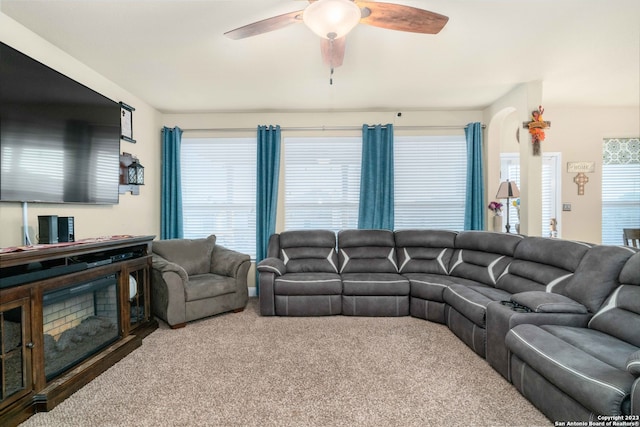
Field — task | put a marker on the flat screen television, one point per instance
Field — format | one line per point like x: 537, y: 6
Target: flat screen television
x: 59, y: 140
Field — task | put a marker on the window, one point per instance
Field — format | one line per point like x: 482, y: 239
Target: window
x: 219, y: 191
x: 620, y: 188
x: 430, y: 181
x: 322, y: 182
x: 510, y: 169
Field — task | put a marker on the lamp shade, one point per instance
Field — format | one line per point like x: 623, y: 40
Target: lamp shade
x: 507, y: 190
x: 331, y: 19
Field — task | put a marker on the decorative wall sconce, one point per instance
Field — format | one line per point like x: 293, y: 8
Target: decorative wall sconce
x: 131, y: 174
x: 135, y: 172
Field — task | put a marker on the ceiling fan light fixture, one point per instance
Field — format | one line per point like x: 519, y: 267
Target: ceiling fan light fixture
x: 331, y: 19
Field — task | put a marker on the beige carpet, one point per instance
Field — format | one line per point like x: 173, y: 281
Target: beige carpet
x: 247, y: 370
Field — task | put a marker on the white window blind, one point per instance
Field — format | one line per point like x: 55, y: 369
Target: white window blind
x: 620, y: 188
x: 322, y: 182
x: 430, y: 180
x: 219, y: 191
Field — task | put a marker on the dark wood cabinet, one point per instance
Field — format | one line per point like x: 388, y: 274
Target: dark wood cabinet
x: 67, y: 313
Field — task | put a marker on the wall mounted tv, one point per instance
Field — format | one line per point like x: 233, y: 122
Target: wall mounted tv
x: 59, y: 140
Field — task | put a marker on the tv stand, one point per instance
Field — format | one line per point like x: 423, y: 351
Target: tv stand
x: 32, y: 281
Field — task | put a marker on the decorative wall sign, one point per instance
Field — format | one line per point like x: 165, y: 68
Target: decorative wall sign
x: 126, y: 122
x: 581, y: 167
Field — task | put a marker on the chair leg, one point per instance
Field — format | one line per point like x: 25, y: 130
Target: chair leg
x: 178, y: 326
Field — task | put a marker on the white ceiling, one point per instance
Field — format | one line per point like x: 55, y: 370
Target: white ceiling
x: 172, y: 54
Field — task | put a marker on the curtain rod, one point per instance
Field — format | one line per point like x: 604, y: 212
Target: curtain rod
x: 323, y: 128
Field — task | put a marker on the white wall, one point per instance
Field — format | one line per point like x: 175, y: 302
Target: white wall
x: 136, y: 215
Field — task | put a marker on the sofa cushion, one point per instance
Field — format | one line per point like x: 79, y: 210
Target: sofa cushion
x: 481, y: 267
x: 371, y: 284
x: 194, y: 255
x: 309, y: 251
x: 471, y: 300
x: 424, y: 251
x: 536, y: 265
x: 620, y: 315
x: 482, y: 256
x: 486, y: 241
x: 431, y: 286
x: 601, y: 387
x: 598, y: 275
x: 308, y: 284
x: 367, y: 251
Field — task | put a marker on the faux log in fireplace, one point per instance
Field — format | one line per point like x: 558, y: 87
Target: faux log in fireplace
x: 67, y: 313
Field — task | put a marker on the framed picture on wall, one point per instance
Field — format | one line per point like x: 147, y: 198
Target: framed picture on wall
x: 126, y: 122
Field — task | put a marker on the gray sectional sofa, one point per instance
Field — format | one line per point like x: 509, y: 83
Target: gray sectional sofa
x: 558, y: 319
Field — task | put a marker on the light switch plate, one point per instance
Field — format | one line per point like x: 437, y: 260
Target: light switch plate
x: 566, y: 207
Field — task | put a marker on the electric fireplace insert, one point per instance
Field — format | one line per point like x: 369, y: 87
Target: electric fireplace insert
x: 79, y: 321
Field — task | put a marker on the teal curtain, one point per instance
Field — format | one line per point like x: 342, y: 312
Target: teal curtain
x: 376, y: 178
x: 268, y: 160
x: 171, y: 190
x: 474, y: 202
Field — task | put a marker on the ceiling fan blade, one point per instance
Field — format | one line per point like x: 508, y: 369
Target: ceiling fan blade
x: 265, y: 26
x: 333, y: 51
x: 402, y: 18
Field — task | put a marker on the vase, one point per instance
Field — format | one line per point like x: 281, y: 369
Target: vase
x: 497, y: 223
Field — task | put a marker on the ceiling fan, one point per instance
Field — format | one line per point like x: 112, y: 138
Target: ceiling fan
x: 333, y: 19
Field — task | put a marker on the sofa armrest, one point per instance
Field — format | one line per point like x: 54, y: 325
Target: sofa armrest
x: 504, y: 315
x: 162, y: 265
x: 635, y: 397
x: 168, y: 280
x: 633, y: 364
x: 268, y: 270
x: 547, y: 302
x: 272, y: 265
x: 227, y: 262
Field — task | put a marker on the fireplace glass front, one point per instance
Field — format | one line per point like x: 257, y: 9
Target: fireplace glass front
x: 79, y: 321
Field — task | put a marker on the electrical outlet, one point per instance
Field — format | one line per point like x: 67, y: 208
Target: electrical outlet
x: 566, y: 207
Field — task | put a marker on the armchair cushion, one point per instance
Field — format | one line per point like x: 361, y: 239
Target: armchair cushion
x: 202, y: 286
x: 194, y: 255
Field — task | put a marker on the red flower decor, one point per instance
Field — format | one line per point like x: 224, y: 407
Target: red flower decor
x: 537, y: 125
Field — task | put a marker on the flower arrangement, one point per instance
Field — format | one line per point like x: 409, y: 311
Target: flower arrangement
x: 496, y: 207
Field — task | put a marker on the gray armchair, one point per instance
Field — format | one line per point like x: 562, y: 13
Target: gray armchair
x: 195, y: 278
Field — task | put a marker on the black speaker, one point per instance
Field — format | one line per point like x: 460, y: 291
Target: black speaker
x: 47, y: 229
x: 66, y: 231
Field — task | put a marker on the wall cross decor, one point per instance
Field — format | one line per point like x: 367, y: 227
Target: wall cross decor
x: 581, y: 168
x: 536, y: 127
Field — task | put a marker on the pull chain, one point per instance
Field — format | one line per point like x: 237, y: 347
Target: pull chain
x: 331, y: 77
